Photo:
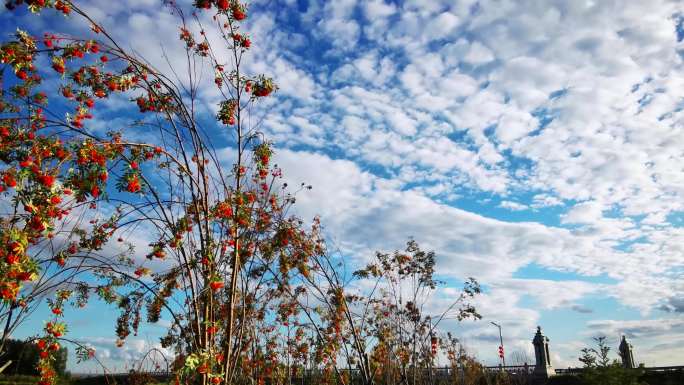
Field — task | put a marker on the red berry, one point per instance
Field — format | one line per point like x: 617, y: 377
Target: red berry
x: 58, y: 67
x: 47, y: 180
x: 238, y: 14
x: 133, y: 185
x: 216, y: 285
x: 9, y: 180
x: 11, y: 259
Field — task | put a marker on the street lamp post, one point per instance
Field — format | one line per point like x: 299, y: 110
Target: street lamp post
x: 503, y: 359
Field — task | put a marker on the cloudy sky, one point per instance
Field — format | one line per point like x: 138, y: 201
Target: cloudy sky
x: 535, y: 145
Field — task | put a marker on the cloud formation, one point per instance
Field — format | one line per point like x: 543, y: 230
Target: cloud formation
x: 498, y: 133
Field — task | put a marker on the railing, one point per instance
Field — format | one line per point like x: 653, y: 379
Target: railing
x: 664, y: 369
x: 161, y: 374
x: 572, y: 371
x: 648, y: 369
x: 438, y: 372
x: 441, y: 372
x: 513, y: 369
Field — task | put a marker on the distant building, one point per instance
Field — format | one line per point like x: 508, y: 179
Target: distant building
x: 626, y: 354
x: 543, y: 368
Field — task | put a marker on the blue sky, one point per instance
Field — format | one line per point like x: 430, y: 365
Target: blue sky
x: 536, y: 146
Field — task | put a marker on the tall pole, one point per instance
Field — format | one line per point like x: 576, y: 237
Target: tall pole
x: 503, y: 359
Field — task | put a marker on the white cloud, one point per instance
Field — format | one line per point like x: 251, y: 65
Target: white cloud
x: 587, y: 212
x: 377, y: 9
x: 656, y: 342
x: 441, y: 26
x: 478, y: 54
x: 612, y: 146
x: 545, y: 200
x: 121, y: 359
x: 515, y: 206
x: 603, y: 153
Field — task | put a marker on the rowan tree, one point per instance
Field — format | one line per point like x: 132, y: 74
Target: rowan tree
x: 224, y: 261
x: 385, y: 332
x: 227, y: 244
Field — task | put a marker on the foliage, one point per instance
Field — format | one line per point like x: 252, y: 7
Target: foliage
x: 226, y: 264
x: 520, y: 357
x: 593, y: 357
x: 674, y: 377
x: 385, y: 332
x: 598, y: 368
x: 27, y: 380
x: 587, y: 358
x: 565, y: 380
x: 215, y: 227
x: 611, y: 374
x: 25, y: 356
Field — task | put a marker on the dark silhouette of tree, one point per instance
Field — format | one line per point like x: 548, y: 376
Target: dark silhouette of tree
x: 601, y: 370
x: 24, y: 357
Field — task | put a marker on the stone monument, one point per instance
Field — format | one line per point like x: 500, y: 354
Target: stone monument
x: 543, y: 368
x: 626, y: 354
